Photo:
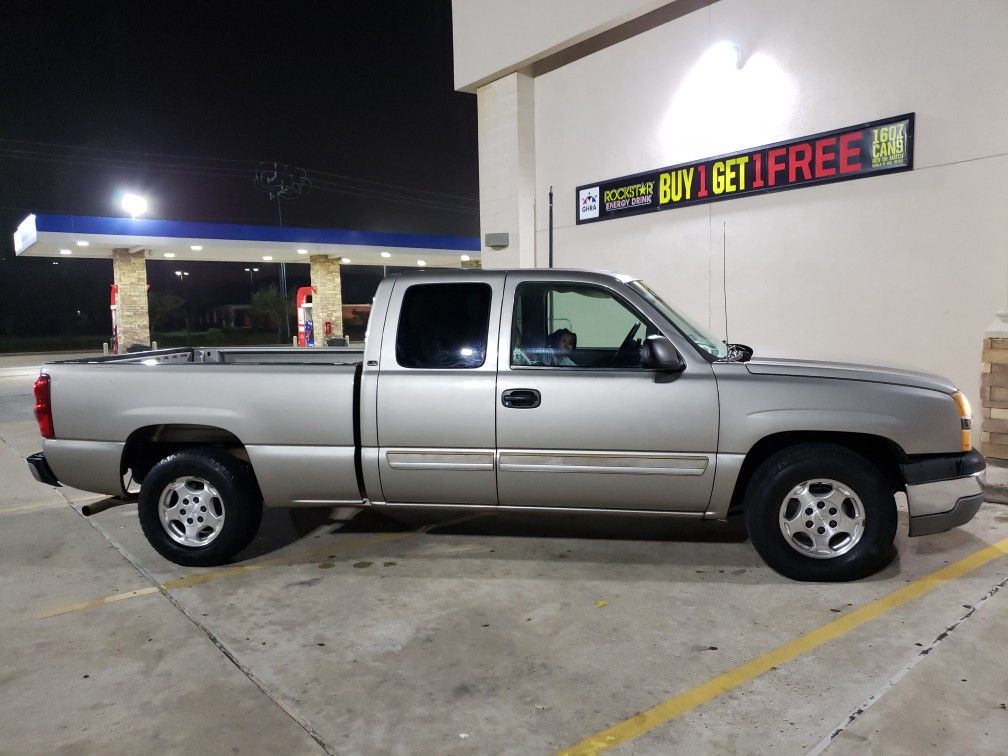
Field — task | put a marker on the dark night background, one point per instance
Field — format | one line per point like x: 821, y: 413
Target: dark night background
x: 181, y: 101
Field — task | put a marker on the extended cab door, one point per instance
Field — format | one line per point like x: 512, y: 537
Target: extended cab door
x: 436, y: 389
x: 579, y: 422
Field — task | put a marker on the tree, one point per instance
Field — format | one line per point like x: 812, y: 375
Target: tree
x: 162, y: 305
x: 269, y: 305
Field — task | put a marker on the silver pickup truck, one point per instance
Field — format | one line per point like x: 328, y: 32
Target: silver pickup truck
x: 522, y: 390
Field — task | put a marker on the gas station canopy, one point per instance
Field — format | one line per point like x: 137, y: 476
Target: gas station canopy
x: 50, y: 235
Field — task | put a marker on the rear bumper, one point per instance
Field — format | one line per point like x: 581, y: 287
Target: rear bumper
x: 40, y: 469
x: 943, y: 491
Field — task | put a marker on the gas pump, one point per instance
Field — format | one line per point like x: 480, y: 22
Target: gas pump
x: 306, y: 327
x: 115, y: 320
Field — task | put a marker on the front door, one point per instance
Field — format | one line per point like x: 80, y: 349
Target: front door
x: 581, y: 424
x: 436, y: 392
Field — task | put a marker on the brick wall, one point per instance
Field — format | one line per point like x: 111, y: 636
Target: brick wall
x: 327, y: 301
x: 994, y: 398
x: 129, y: 271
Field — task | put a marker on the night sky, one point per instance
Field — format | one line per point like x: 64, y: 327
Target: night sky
x: 180, y: 101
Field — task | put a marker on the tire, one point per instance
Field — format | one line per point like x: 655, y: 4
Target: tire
x: 839, y: 488
x: 200, y: 507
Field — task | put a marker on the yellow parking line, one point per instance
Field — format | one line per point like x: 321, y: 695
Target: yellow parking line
x: 101, y: 601
x: 678, y: 705
x: 238, y: 569
x: 32, y: 507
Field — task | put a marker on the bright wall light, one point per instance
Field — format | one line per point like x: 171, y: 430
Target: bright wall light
x: 169, y: 254
x: 82, y: 243
x: 267, y: 258
x: 302, y: 251
x: 421, y: 263
x: 464, y: 258
x: 725, y: 103
x: 66, y: 251
x: 134, y: 204
x: 344, y: 260
x: 386, y: 255
x: 196, y: 247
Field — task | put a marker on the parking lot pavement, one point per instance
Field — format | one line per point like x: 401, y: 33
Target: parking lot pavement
x: 136, y: 677
x: 345, y: 632
x: 964, y: 675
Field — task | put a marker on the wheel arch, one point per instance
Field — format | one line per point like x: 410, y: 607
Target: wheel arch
x: 148, y: 445
x: 882, y: 452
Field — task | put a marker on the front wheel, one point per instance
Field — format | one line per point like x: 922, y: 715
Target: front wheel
x: 821, y: 512
x: 199, y: 508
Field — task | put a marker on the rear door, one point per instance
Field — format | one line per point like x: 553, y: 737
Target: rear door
x: 436, y: 390
x: 580, y: 423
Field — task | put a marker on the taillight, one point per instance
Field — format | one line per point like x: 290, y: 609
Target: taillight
x: 43, y: 407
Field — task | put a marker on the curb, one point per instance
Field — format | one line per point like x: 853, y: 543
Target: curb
x: 996, y: 490
x: 996, y: 493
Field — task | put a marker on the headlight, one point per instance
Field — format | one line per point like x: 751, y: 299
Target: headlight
x: 965, y: 419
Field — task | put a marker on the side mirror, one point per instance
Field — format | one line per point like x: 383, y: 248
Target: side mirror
x: 657, y: 353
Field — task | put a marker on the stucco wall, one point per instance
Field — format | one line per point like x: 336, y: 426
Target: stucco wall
x: 905, y: 269
x: 494, y: 38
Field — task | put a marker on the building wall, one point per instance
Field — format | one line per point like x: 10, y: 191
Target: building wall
x: 905, y: 269
x: 494, y: 38
x: 506, y: 126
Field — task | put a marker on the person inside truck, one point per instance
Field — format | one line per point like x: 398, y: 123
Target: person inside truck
x: 562, y: 344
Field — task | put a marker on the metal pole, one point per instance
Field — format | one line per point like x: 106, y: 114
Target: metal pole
x: 551, y: 227
x: 283, y: 280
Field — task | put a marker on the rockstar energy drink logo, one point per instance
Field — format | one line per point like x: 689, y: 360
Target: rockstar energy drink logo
x: 632, y: 195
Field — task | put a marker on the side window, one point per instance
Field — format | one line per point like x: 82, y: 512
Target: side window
x: 443, y: 326
x: 575, y: 325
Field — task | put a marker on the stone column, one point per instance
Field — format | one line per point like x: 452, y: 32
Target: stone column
x: 129, y: 272
x: 505, y: 112
x: 994, y: 390
x: 327, y: 300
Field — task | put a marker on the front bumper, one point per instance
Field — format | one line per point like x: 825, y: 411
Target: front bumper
x: 40, y: 469
x: 943, y: 491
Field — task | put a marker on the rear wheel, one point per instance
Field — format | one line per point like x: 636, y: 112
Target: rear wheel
x: 199, y: 507
x: 821, y: 512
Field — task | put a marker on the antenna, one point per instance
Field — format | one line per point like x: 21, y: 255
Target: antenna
x: 724, y: 275
x: 551, y: 226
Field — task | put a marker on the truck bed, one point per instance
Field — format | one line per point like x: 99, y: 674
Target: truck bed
x: 293, y: 411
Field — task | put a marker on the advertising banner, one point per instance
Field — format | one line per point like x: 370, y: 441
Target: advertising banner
x: 868, y: 149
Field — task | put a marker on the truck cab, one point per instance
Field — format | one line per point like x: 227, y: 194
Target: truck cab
x: 476, y: 402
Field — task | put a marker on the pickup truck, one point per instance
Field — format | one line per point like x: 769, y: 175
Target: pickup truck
x: 520, y: 390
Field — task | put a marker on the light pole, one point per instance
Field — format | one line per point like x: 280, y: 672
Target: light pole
x: 250, y: 271
x: 182, y: 275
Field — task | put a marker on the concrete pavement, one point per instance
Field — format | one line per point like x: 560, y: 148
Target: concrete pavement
x: 344, y: 632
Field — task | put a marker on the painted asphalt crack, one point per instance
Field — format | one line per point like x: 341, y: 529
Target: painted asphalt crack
x: 971, y: 609
x: 231, y: 656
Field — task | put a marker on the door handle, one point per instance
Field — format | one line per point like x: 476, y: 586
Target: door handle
x: 521, y: 398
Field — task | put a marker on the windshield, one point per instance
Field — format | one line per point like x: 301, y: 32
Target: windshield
x: 700, y: 338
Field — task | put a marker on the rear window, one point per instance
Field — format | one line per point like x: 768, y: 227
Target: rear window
x: 444, y: 326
